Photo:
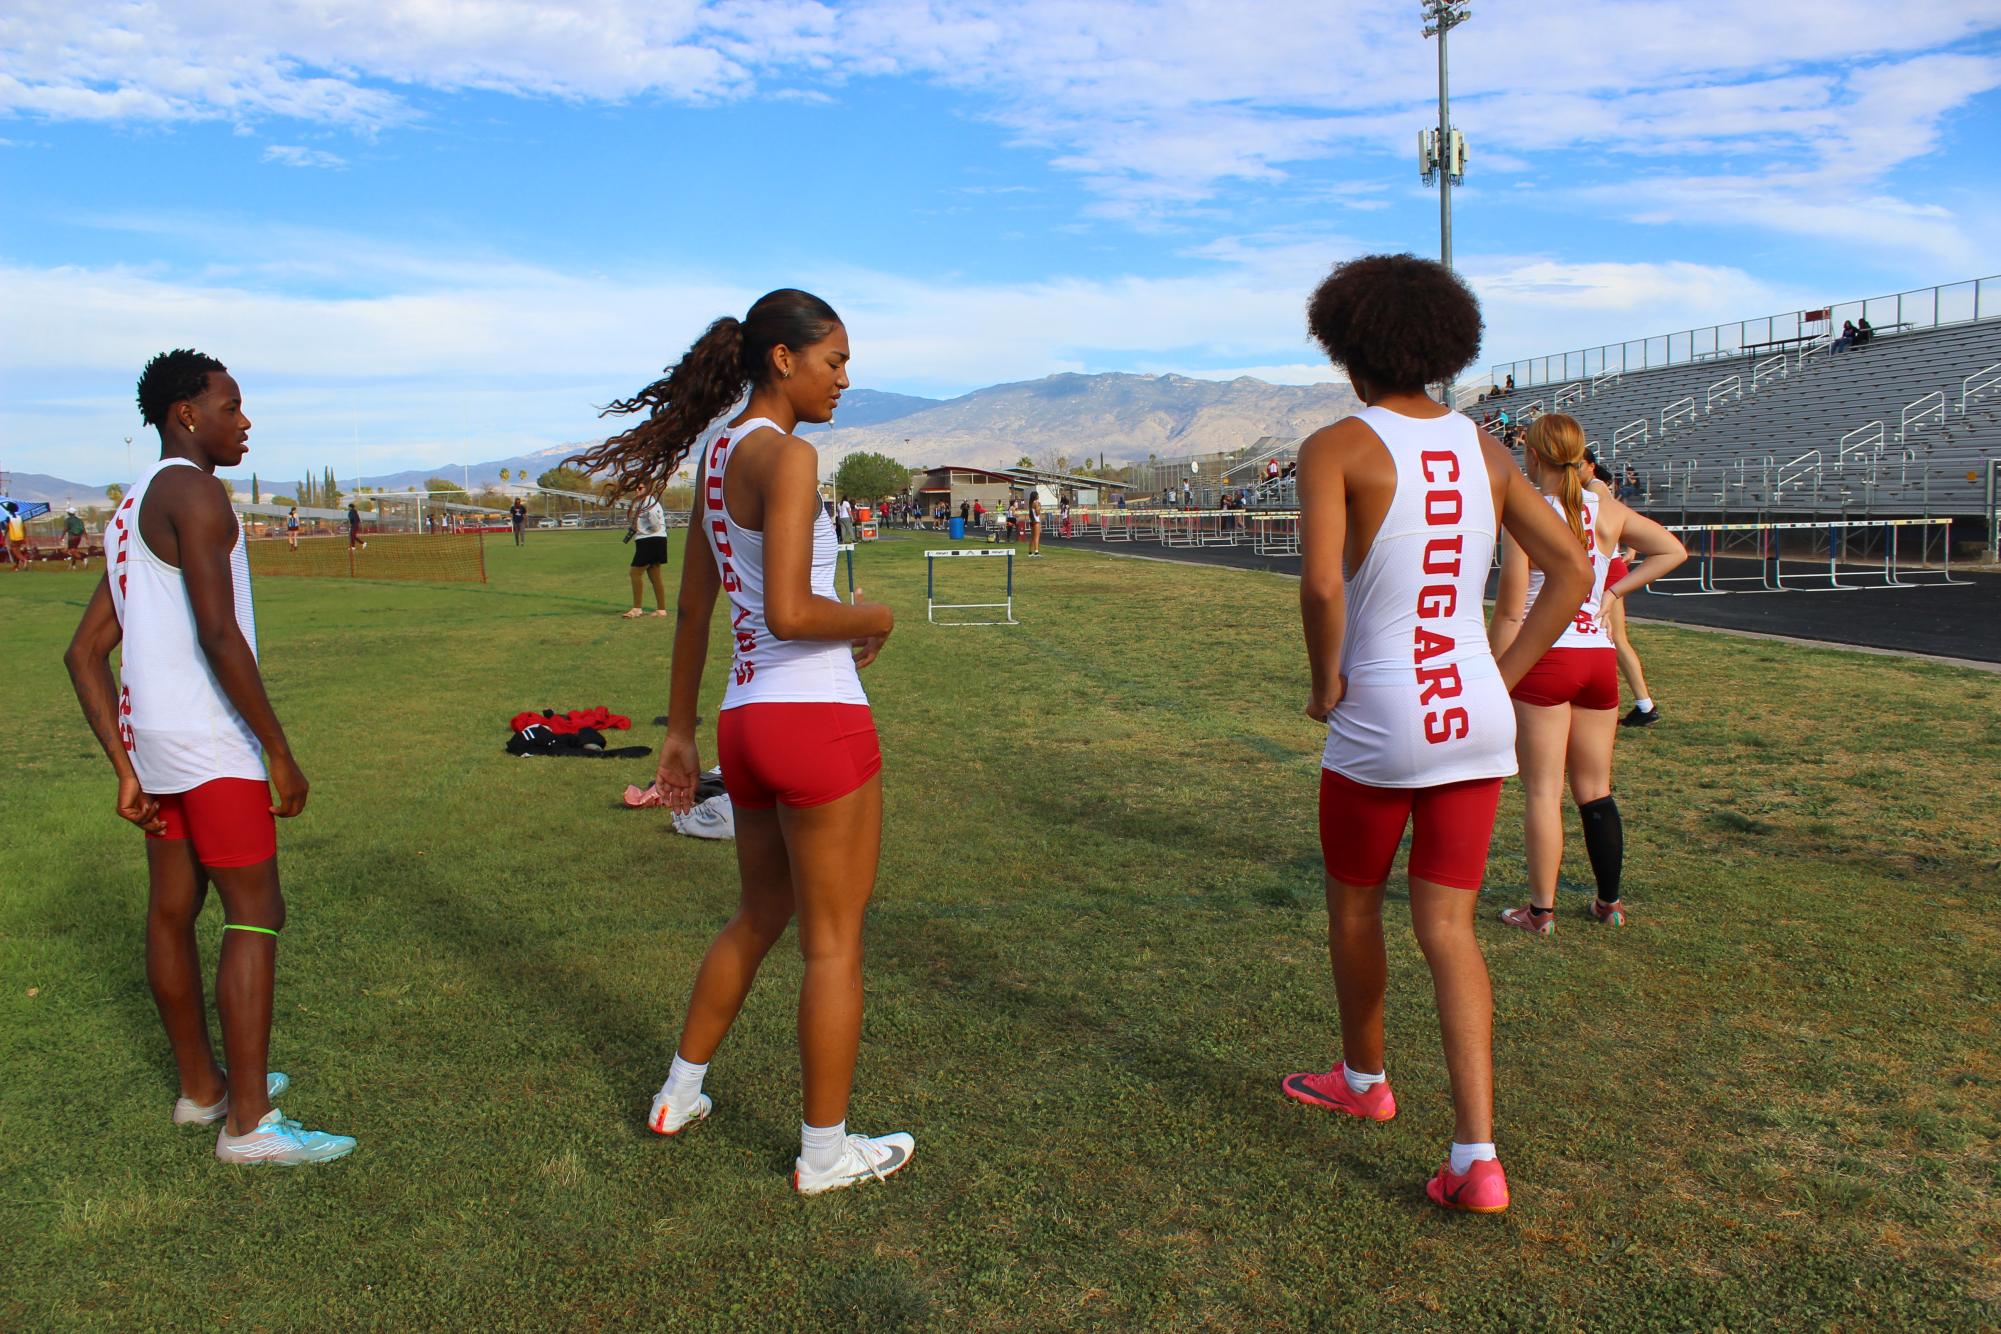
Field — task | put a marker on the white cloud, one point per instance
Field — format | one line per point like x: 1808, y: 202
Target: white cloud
x: 442, y: 347
x: 292, y: 155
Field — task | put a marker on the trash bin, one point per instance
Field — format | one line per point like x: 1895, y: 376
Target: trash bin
x: 958, y: 529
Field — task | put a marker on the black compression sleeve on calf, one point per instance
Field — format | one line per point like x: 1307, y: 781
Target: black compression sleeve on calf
x: 1605, y: 841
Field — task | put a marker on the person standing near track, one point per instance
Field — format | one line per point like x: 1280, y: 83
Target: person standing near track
x: 73, y: 530
x: 795, y: 736
x: 1034, y: 521
x: 13, y: 537
x: 649, y: 553
x: 517, y: 517
x: 354, y: 528
x: 1399, y: 507
x: 1644, y: 713
x: 1567, y: 707
x: 189, y: 733
x: 292, y: 528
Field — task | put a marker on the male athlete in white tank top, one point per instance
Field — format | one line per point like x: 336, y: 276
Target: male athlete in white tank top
x: 189, y: 736
x: 1398, y: 509
x: 795, y: 737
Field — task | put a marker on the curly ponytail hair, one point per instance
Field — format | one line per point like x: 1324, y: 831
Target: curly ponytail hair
x: 731, y: 356
x: 1558, y: 441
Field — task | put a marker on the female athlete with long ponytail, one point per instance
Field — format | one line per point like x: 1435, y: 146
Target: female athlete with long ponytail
x: 795, y: 737
x: 1567, y: 707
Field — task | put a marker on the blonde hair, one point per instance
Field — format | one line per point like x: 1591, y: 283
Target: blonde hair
x: 1557, y: 440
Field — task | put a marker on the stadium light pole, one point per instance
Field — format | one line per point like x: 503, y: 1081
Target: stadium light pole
x: 1441, y: 152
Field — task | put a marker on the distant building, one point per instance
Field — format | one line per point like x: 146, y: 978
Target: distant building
x: 956, y: 484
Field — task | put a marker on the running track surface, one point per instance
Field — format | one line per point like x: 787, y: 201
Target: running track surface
x: 1950, y: 621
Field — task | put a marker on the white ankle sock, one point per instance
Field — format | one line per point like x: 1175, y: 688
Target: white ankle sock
x: 1359, y: 1083
x: 684, y: 1081
x: 820, y: 1146
x: 1465, y: 1155
x: 1644, y: 705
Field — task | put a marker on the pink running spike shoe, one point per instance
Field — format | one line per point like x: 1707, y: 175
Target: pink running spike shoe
x: 1525, y: 917
x: 1611, y: 914
x: 1482, y: 1190
x: 1331, y: 1091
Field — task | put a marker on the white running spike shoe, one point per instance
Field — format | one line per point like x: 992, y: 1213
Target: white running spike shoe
x: 188, y: 1112
x: 281, y: 1142
x: 666, y: 1120
x: 863, y: 1158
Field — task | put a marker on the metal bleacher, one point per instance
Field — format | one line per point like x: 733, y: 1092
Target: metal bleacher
x: 1907, y: 423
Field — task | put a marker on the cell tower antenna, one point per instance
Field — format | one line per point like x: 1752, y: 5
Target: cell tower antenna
x: 1441, y: 153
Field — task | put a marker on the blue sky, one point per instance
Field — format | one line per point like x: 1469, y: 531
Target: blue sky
x: 444, y: 231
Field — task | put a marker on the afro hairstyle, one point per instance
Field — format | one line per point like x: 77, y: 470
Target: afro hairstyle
x: 173, y: 377
x: 1396, y: 322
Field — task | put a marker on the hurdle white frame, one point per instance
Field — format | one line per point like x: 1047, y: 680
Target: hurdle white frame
x: 1274, y: 532
x: 1771, y: 576
x: 932, y: 606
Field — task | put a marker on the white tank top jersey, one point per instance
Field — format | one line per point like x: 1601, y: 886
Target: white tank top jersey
x: 177, y: 724
x: 1583, y: 629
x: 1425, y: 704
x: 769, y: 670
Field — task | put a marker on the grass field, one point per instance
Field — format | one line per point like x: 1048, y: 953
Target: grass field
x: 1097, y: 944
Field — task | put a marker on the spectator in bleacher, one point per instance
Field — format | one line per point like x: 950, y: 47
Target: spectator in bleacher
x: 1863, y: 333
x: 1847, y: 339
x: 1511, y: 386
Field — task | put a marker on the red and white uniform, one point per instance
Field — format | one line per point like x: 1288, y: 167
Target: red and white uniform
x: 766, y: 669
x: 795, y: 726
x: 1583, y: 631
x: 179, y: 727
x: 1581, y: 668
x: 1424, y: 703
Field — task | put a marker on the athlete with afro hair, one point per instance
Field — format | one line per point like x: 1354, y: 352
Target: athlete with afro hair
x: 1400, y: 508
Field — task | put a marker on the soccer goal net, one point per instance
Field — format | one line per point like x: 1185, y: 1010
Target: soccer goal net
x: 445, y: 558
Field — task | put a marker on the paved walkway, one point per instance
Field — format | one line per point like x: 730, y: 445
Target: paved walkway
x: 1948, y: 621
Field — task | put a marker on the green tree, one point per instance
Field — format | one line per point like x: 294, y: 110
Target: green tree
x: 503, y: 474
x: 869, y: 477
x: 1024, y: 462
x: 256, y: 496
x: 283, y: 500
x: 114, y: 493
x: 442, y: 484
x: 566, y: 478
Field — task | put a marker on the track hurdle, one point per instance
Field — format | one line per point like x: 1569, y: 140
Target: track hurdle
x: 1273, y: 533
x: 1711, y: 544
x: 932, y: 606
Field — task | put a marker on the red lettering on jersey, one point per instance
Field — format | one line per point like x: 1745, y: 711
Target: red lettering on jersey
x: 1438, y: 600
x: 1441, y: 555
x: 1431, y: 456
x: 1452, y: 725
x: 1429, y: 644
x: 1442, y: 507
x: 1584, y: 624
x: 1438, y: 683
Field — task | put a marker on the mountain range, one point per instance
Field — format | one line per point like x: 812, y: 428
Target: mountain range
x: 1114, y: 417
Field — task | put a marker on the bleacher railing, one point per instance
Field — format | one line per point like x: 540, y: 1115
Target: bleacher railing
x: 1983, y: 381
x: 1921, y: 308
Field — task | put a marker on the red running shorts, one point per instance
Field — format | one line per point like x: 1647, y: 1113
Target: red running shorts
x: 1615, y: 570
x: 228, y: 819
x: 1452, y: 824
x: 796, y: 754
x: 1585, y: 677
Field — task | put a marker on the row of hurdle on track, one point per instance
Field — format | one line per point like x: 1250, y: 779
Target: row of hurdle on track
x: 1836, y: 555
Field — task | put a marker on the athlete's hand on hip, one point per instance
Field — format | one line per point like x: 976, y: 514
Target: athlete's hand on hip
x: 135, y: 805
x: 1320, y: 703
x: 290, y: 780
x: 680, y: 769
x: 868, y: 646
